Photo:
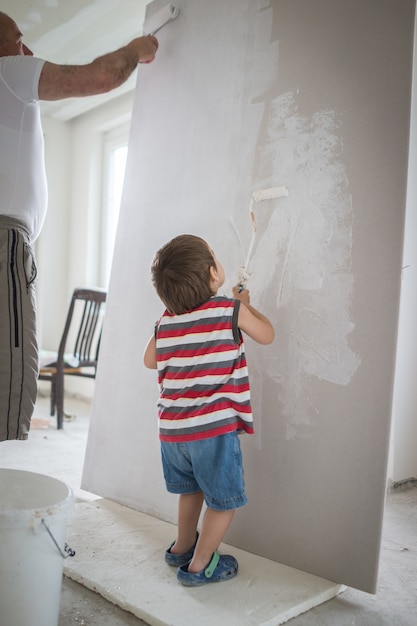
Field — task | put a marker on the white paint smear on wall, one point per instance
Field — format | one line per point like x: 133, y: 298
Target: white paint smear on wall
x: 302, y: 260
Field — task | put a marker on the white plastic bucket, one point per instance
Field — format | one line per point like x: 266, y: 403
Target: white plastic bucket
x: 31, y: 563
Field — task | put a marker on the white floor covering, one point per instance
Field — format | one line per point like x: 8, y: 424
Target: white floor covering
x: 120, y: 555
x: 61, y: 454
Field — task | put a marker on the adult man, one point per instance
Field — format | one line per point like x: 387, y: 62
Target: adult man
x: 24, y: 81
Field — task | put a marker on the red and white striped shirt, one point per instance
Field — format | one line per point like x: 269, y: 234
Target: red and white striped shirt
x: 202, y: 373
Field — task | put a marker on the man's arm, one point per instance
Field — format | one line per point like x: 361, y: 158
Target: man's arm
x: 105, y: 73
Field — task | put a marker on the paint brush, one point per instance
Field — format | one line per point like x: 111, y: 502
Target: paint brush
x: 257, y: 196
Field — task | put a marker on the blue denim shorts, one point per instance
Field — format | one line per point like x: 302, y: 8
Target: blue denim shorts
x: 213, y: 466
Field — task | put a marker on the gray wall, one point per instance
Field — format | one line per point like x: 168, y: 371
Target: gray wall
x: 245, y: 95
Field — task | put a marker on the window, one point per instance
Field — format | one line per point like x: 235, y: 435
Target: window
x: 115, y: 155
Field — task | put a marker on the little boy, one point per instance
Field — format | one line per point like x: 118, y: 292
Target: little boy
x: 204, y: 401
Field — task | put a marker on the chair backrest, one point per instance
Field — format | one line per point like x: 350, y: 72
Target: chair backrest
x: 83, y: 327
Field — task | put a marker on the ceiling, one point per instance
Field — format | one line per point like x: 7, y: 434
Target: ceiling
x: 75, y: 32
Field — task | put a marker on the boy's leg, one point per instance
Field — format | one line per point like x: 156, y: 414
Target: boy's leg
x: 214, y: 527
x: 189, y: 509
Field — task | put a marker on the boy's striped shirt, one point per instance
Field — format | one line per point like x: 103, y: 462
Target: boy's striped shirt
x: 202, y: 373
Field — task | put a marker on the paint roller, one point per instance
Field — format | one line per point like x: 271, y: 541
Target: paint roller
x: 257, y: 196
x: 158, y: 20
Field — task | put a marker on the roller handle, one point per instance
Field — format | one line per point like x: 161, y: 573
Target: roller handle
x: 243, y: 278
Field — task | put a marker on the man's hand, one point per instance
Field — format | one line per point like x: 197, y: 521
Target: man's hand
x: 145, y: 48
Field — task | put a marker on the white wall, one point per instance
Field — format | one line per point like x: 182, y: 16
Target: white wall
x: 68, y: 248
x: 403, y: 465
x: 53, y: 245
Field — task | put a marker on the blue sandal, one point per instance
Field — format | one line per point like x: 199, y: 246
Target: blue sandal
x: 220, y: 568
x: 180, y: 559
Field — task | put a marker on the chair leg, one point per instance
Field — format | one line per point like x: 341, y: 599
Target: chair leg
x: 59, y: 401
x: 53, y: 396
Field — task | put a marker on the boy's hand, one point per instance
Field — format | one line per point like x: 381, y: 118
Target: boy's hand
x: 252, y: 321
x: 243, y: 296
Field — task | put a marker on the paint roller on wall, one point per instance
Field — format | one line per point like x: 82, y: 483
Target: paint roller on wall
x: 155, y: 22
x: 257, y: 196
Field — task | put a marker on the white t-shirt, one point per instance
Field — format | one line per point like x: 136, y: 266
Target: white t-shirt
x: 23, y: 189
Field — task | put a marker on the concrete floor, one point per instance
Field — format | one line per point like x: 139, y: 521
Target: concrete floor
x: 61, y: 453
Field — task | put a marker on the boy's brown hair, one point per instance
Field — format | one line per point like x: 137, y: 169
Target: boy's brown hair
x: 181, y: 273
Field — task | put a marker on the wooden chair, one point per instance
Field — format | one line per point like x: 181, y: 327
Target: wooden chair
x: 82, y: 331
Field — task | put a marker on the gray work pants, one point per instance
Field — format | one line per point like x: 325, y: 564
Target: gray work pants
x: 18, y: 342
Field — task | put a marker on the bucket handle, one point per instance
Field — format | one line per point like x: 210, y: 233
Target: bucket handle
x: 67, y: 550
